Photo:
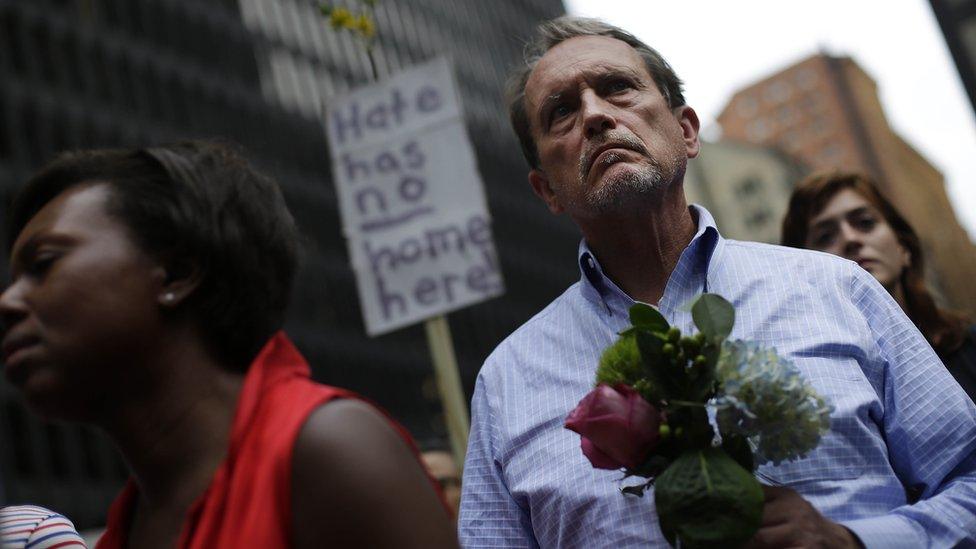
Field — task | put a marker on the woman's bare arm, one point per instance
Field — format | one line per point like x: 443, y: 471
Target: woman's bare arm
x: 355, y: 483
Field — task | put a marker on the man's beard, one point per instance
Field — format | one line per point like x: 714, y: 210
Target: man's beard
x: 625, y: 188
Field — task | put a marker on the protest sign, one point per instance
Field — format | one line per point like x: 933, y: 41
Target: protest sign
x: 412, y: 201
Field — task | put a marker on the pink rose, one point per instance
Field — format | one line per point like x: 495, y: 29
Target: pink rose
x: 617, y: 427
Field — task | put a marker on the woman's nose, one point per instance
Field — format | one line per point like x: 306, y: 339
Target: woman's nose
x: 12, y: 304
x: 851, y: 239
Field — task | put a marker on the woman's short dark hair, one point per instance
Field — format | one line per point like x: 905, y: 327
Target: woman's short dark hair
x: 944, y: 330
x: 193, y: 204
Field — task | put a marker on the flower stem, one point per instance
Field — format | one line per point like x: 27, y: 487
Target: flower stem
x: 687, y: 403
x: 372, y: 62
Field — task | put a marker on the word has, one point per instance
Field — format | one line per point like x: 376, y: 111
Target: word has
x: 382, y: 206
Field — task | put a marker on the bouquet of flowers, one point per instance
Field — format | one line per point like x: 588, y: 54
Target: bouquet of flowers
x: 695, y: 415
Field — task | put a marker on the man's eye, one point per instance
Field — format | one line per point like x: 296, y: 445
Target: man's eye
x: 559, y: 111
x: 616, y: 86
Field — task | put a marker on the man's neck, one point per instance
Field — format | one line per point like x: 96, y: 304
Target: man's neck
x: 640, y: 249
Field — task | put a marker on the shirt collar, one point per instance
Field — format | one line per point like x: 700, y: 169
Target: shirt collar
x: 689, y: 278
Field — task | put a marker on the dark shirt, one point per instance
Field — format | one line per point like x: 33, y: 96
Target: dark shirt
x: 962, y: 363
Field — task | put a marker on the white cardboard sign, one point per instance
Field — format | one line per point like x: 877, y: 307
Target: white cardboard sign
x: 413, y: 206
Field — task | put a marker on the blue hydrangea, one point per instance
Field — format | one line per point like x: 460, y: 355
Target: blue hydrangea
x: 763, y: 397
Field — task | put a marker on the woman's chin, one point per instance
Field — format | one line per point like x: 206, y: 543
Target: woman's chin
x: 51, y: 399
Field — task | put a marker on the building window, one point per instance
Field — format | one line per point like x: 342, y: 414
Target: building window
x: 747, y: 107
x: 791, y: 140
x: 785, y: 115
x: 806, y: 78
x: 810, y: 104
x: 830, y: 154
x: 749, y: 186
x: 758, y: 218
x: 777, y: 92
x: 757, y: 130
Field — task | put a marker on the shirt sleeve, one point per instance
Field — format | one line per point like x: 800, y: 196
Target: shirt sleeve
x: 55, y: 531
x: 489, y: 516
x: 930, y: 428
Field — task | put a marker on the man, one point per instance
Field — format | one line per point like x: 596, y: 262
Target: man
x: 605, y: 128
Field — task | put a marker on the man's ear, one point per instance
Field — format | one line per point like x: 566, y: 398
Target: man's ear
x: 688, y: 119
x: 178, y: 279
x: 542, y: 189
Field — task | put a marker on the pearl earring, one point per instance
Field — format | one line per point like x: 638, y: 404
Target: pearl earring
x: 169, y: 297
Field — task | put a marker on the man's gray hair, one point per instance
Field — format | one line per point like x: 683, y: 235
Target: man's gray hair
x: 558, y: 30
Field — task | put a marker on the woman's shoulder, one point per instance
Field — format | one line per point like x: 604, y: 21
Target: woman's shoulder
x: 352, y: 464
x: 351, y: 431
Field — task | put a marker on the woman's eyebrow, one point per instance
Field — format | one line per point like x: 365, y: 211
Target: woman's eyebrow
x: 859, y: 210
x: 34, y: 241
x: 823, y: 223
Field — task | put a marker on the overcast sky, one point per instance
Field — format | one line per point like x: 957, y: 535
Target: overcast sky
x: 720, y: 46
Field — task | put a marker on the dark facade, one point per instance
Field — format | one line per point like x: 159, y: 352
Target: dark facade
x: 102, y: 73
x: 957, y: 18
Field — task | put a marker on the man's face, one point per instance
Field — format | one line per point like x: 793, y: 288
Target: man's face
x: 604, y: 133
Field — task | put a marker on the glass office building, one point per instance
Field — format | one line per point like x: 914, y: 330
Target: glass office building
x: 103, y: 73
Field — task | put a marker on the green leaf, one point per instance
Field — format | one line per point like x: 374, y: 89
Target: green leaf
x: 649, y: 318
x: 655, y: 364
x: 703, y: 386
x: 692, y: 424
x: 714, y: 316
x: 650, y: 347
x: 738, y: 448
x: 706, y: 499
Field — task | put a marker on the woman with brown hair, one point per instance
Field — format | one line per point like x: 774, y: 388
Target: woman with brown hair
x: 843, y: 213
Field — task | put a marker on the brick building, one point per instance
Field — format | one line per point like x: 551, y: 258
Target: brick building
x: 825, y: 111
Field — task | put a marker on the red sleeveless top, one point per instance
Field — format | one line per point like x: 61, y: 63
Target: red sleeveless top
x: 248, y: 503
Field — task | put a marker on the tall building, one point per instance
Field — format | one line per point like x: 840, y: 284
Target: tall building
x: 81, y: 74
x: 825, y: 111
x: 957, y: 18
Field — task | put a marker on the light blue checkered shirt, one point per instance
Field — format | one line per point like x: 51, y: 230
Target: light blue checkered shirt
x: 902, y: 425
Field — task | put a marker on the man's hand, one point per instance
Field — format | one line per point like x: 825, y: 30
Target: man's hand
x: 790, y: 521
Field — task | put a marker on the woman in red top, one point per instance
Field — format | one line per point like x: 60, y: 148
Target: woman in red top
x: 147, y: 291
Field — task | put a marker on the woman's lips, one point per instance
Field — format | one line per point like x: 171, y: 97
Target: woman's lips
x: 15, y: 353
